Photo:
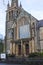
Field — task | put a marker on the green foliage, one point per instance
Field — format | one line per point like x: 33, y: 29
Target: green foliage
x: 1, y: 47
x: 41, y: 54
x: 33, y: 55
x: 10, y: 56
x: 36, y: 55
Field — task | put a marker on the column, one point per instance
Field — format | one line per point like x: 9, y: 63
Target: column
x: 21, y: 48
x: 11, y: 48
x: 16, y: 49
x: 33, y: 46
x: 24, y: 51
x: 30, y: 46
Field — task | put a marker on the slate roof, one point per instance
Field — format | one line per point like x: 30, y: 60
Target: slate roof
x: 39, y: 24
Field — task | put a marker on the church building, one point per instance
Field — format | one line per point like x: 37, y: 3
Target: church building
x: 21, y: 31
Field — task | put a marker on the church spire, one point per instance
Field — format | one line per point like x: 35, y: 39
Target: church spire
x: 14, y: 2
x: 20, y: 5
x: 8, y: 5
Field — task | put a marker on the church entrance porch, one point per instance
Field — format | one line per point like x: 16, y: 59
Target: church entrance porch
x: 22, y: 48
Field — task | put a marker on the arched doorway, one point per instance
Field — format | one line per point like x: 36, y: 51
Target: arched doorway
x: 19, y: 49
x: 27, y: 49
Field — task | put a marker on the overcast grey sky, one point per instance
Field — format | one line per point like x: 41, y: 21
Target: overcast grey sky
x: 34, y: 7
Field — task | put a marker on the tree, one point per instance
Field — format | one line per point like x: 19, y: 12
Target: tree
x: 1, y: 46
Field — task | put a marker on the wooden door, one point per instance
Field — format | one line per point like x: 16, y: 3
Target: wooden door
x: 19, y: 49
x: 27, y: 49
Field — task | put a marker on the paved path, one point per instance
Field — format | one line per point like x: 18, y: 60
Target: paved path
x: 8, y: 64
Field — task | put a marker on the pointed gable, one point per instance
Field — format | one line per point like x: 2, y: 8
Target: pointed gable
x: 23, y: 13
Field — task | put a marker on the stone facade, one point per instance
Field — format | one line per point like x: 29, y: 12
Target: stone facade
x: 40, y: 34
x: 16, y: 17
x: 41, y: 38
